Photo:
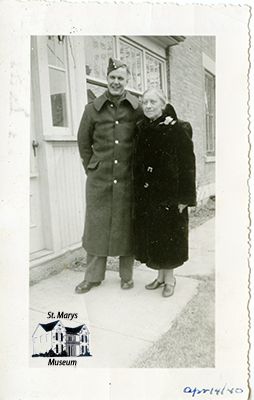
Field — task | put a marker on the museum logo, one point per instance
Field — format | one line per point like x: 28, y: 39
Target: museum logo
x: 56, y: 340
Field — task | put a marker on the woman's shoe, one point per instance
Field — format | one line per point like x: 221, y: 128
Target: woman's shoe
x: 154, y: 285
x: 169, y: 289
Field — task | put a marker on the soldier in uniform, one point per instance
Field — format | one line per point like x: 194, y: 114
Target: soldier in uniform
x: 106, y: 140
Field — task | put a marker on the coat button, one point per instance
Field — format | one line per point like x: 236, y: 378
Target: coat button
x: 116, y: 141
x: 146, y: 185
x: 111, y: 105
x: 117, y: 122
x: 116, y: 161
x: 115, y: 180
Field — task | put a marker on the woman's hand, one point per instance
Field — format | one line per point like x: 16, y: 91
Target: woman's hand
x: 181, y: 207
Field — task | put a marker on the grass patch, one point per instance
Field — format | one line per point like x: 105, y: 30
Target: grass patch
x: 190, y: 342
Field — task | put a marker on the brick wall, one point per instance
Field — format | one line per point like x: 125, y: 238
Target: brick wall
x: 186, y: 93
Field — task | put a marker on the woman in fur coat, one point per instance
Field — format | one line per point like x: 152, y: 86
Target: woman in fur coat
x: 164, y: 183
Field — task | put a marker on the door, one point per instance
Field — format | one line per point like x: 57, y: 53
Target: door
x: 36, y: 229
x: 71, y: 350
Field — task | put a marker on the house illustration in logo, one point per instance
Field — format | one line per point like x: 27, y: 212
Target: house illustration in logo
x: 55, y: 339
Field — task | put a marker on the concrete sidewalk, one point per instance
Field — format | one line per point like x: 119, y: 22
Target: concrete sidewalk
x: 123, y: 324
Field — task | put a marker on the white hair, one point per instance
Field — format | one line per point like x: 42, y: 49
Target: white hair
x: 160, y: 94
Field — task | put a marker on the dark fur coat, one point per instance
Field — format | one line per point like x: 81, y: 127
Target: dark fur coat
x: 164, y: 177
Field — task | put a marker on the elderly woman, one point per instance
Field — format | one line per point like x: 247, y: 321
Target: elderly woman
x: 164, y: 178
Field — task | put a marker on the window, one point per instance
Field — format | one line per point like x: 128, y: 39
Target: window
x: 210, y: 113
x: 61, y: 337
x: 153, y: 72
x: 57, y: 67
x: 57, y: 349
x: 146, y: 69
x: 132, y: 56
x: 56, y: 336
x: 98, y: 51
x: 61, y: 96
x: 62, y: 348
x: 62, y: 61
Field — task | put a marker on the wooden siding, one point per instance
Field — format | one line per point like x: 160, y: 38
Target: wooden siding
x: 69, y: 193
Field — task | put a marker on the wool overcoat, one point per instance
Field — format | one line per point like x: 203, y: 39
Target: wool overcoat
x: 106, y: 143
x: 164, y: 176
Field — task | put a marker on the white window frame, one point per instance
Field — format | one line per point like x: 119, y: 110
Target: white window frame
x: 145, y: 51
x: 209, y: 66
x: 51, y: 132
x: 92, y: 79
x: 75, y: 93
x: 163, y: 71
x: 131, y: 43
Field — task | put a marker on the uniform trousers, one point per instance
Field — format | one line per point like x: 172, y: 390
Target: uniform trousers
x: 96, y: 268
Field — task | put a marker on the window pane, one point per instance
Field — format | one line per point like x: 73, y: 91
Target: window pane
x: 132, y: 56
x: 98, y: 49
x: 55, y: 52
x: 57, y: 82
x: 209, y: 93
x: 153, y: 72
x: 209, y: 134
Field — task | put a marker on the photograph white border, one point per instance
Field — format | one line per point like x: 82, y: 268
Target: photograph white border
x: 230, y: 26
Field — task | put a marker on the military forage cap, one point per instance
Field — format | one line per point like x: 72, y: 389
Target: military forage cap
x: 113, y: 64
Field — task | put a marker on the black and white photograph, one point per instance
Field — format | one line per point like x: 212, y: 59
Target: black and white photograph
x: 125, y: 220
x: 122, y: 196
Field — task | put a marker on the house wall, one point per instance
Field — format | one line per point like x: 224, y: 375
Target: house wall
x: 60, y: 175
x: 68, y: 193
x: 41, y: 341
x: 186, y: 92
x: 59, y: 328
x: 86, y: 344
